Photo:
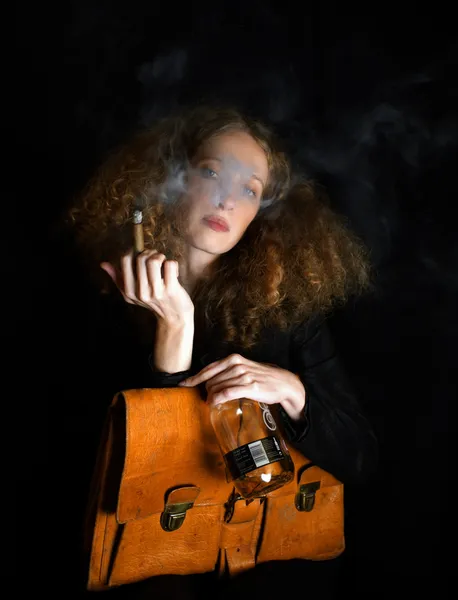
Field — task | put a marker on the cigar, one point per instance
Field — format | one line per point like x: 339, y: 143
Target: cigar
x: 139, y: 242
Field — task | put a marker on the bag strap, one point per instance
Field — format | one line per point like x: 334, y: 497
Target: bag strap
x: 239, y: 534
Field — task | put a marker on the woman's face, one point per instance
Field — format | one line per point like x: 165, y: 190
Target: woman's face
x: 225, y: 185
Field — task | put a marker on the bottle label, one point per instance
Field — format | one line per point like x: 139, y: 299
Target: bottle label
x: 251, y: 456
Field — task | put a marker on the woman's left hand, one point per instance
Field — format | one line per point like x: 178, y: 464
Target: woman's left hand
x: 237, y: 377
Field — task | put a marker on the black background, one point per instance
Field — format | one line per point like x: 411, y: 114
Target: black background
x: 367, y: 102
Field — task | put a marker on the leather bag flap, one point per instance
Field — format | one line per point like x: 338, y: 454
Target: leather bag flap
x: 169, y: 443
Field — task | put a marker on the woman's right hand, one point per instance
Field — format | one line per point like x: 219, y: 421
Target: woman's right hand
x: 165, y: 296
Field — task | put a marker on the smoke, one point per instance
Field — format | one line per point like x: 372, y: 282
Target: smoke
x: 372, y: 154
x: 366, y: 106
x: 372, y: 118
x: 161, y: 81
x: 230, y: 180
x: 174, y: 186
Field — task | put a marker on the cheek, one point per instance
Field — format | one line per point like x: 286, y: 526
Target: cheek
x: 200, y: 189
x: 250, y: 214
x: 193, y: 203
x: 244, y: 221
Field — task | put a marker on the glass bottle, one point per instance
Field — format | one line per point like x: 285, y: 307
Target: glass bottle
x: 256, y: 456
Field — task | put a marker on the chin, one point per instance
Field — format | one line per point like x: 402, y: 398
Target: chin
x: 211, y: 249
x: 210, y: 246
x: 212, y: 242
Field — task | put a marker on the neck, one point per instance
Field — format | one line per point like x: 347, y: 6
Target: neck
x: 194, y: 267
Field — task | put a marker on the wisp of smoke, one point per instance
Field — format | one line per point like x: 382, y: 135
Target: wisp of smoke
x: 231, y: 179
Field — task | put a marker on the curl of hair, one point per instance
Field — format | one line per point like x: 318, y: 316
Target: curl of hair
x: 297, y: 258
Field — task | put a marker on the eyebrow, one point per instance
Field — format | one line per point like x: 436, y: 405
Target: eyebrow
x: 253, y: 175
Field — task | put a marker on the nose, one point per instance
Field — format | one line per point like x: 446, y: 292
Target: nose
x: 227, y: 202
x: 228, y: 195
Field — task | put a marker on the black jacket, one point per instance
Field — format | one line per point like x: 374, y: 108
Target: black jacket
x: 93, y: 353
x: 335, y: 434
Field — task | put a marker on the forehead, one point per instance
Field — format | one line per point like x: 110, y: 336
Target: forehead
x: 238, y: 146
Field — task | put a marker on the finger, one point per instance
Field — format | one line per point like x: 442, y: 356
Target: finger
x: 198, y: 377
x: 146, y: 285
x: 240, y: 372
x: 128, y: 285
x: 117, y: 278
x: 216, y: 367
x: 207, y: 373
x: 171, y: 272
x: 153, y: 266
x: 247, y: 379
x: 236, y: 392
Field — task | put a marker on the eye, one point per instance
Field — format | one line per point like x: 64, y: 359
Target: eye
x: 250, y: 192
x: 208, y: 173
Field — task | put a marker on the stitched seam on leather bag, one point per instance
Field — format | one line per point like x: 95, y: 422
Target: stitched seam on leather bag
x: 102, y: 492
x: 221, y: 527
x: 103, y: 553
x: 266, y: 505
x: 261, y: 518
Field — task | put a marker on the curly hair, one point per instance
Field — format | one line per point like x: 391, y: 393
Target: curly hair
x: 297, y: 257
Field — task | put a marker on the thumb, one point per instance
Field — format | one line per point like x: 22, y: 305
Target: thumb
x: 108, y: 268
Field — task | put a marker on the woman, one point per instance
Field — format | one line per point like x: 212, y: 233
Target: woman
x: 240, y: 268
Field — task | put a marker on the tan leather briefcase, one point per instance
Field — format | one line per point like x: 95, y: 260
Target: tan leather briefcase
x: 161, y: 504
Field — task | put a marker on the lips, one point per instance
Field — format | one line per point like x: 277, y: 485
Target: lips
x: 217, y: 223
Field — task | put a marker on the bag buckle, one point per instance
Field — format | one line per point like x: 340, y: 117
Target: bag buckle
x: 305, y: 497
x: 174, y: 515
x: 179, y: 501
